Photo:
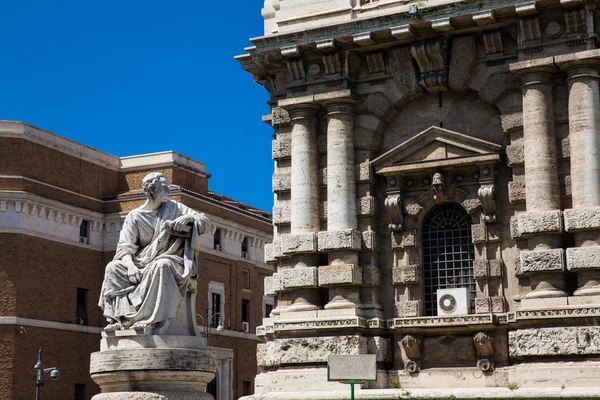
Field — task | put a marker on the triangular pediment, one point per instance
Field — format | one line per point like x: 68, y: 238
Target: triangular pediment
x: 437, y: 146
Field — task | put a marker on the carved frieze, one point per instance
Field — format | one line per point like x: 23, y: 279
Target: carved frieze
x: 375, y: 63
x: 443, y: 321
x: 575, y: 22
x: 531, y: 35
x: 561, y: 341
x: 331, y: 63
x: 492, y: 43
x: 295, y: 69
x: 431, y: 57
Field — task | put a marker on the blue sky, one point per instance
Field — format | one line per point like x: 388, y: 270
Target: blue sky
x: 132, y: 77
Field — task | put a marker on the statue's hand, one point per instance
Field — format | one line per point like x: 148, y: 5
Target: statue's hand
x: 179, y: 224
x: 134, y: 274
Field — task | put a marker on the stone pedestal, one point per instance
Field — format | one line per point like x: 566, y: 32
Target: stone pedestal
x: 135, y: 365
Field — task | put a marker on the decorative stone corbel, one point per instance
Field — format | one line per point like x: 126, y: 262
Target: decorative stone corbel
x: 431, y: 57
x: 438, y: 186
x: 412, y: 349
x: 487, y: 194
x: 485, y: 351
x: 393, y: 206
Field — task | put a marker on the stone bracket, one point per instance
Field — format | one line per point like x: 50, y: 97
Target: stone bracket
x: 487, y: 196
x: 534, y: 223
x: 294, y: 243
x: 411, y: 347
x: 300, y: 278
x: 485, y: 351
x: 542, y: 261
x: 340, y: 274
x: 347, y: 239
x: 580, y: 219
x: 393, y: 206
x: 581, y: 258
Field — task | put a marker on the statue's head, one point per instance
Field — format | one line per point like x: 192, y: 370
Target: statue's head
x: 156, y: 186
x: 437, y: 179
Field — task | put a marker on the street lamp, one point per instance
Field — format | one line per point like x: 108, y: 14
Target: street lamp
x: 208, y: 321
x: 40, y: 374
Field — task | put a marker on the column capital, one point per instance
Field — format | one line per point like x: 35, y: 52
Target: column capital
x: 343, y: 105
x: 580, y: 66
x: 536, y: 71
x: 302, y: 111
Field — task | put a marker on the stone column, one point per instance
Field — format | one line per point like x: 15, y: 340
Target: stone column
x: 541, y: 223
x: 342, y: 239
x: 304, y: 203
x: 584, y: 139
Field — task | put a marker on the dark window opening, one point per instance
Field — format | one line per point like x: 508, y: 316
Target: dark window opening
x: 448, y: 254
x: 81, y: 316
x: 216, y: 310
x: 245, y: 247
x: 79, y: 391
x: 268, y: 309
x: 212, y: 387
x: 217, y: 240
x: 84, y: 232
x: 246, y: 388
x: 245, y: 311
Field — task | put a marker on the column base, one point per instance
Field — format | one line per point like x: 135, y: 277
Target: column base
x: 546, y: 285
x: 304, y: 300
x: 588, y: 282
x: 343, y: 298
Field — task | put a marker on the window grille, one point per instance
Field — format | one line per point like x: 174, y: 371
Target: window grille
x: 448, y: 253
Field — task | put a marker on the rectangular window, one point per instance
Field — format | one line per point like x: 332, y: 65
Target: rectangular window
x: 79, y: 391
x: 268, y: 309
x: 245, y: 279
x: 245, y: 311
x: 245, y: 247
x: 81, y: 316
x: 246, y: 388
x: 84, y: 232
x: 215, y: 314
x: 217, y: 240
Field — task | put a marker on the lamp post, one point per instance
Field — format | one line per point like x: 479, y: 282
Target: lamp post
x: 208, y: 320
x: 40, y: 374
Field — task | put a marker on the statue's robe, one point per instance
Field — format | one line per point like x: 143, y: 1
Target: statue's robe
x: 166, y: 260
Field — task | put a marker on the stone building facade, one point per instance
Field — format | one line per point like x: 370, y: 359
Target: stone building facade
x: 422, y: 147
x: 61, y: 209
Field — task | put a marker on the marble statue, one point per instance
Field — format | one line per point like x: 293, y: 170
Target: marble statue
x: 155, y: 262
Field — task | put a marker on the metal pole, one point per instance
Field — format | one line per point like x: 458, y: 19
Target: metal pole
x: 352, y: 391
x: 40, y: 372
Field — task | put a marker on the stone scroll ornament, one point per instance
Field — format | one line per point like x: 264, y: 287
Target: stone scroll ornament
x: 393, y: 206
x: 487, y: 196
x: 155, y: 265
x: 412, y: 348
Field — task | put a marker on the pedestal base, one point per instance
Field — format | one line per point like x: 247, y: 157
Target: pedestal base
x: 126, y: 370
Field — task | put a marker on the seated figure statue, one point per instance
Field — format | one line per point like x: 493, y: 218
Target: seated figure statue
x: 155, y: 263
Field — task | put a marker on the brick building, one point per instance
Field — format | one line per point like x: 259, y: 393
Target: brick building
x: 61, y: 206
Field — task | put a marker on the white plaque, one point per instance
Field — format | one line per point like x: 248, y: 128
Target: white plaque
x: 360, y: 367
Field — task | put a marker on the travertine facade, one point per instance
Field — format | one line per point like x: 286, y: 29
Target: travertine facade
x: 62, y: 206
x: 425, y: 146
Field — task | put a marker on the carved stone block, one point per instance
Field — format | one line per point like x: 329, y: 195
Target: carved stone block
x: 563, y: 341
x: 496, y: 268
x: 348, y: 239
x: 272, y: 251
x: 578, y: 219
x: 579, y: 258
x: 411, y: 308
x: 281, y: 214
x: 462, y: 60
x: 542, y: 260
x: 298, y: 243
x: 339, y: 274
x: 279, y: 116
x: 369, y: 240
x: 282, y: 182
x: 403, y: 274
x: 493, y: 232
x: 365, y: 205
x: 516, y: 191
x: 281, y: 148
x: 514, y: 228
x: 532, y: 223
x: 482, y: 305
x: 371, y: 275
x: 498, y: 304
x: 297, y: 278
x: 401, y: 67
x: 273, y: 284
x: 364, y: 171
x: 478, y: 233
x: 403, y: 239
x: 515, y: 155
x: 480, y: 269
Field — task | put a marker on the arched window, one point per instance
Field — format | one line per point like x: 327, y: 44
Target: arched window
x: 447, y: 253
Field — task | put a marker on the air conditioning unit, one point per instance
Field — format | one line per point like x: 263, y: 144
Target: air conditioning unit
x: 84, y: 240
x: 246, y: 326
x: 245, y: 254
x: 452, y: 301
x: 218, y: 247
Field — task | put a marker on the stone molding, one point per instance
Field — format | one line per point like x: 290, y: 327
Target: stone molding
x: 339, y: 274
x: 582, y: 258
x: 549, y: 342
x: 542, y: 261
x: 299, y: 278
x: 553, y: 313
x: 459, y: 320
x: 580, y: 219
x: 321, y: 323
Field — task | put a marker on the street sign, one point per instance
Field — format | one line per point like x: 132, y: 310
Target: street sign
x: 359, y: 367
